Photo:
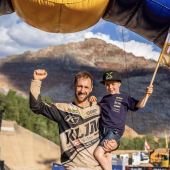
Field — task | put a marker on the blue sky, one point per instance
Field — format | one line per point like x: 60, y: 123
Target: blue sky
x: 17, y: 37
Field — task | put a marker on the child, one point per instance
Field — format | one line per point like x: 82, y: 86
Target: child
x: 114, y: 108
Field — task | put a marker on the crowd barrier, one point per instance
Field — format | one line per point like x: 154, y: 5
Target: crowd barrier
x: 117, y: 167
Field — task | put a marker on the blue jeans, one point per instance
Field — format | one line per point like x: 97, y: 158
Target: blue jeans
x: 108, y: 134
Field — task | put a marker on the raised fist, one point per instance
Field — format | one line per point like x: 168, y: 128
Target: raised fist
x: 39, y: 74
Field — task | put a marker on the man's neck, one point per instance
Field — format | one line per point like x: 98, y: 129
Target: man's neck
x: 82, y: 104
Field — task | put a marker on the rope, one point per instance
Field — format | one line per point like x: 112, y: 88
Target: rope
x: 127, y: 78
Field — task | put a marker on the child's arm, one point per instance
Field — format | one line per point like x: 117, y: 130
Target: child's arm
x: 142, y: 101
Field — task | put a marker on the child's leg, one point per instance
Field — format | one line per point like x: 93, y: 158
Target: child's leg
x: 103, y: 158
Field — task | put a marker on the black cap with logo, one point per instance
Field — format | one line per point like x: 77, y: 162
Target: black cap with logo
x: 111, y: 76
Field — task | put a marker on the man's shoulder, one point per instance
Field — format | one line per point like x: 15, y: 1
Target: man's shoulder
x: 72, y: 105
x: 71, y: 108
x: 62, y: 105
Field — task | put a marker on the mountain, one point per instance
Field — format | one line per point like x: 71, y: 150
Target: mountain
x: 64, y: 61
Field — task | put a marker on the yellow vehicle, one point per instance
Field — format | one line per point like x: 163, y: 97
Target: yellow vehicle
x: 165, y: 161
x: 160, y: 157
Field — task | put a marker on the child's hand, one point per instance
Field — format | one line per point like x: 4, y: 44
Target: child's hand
x: 92, y: 99
x: 149, y: 90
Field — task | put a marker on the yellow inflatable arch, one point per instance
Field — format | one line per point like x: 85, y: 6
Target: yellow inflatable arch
x: 62, y: 16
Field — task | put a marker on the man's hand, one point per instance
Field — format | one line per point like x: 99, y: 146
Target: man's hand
x: 39, y: 74
x: 110, y: 145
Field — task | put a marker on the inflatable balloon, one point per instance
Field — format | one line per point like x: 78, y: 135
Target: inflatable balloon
x: 149, y: 18
x: 62, y: 16
x: 6, y: 7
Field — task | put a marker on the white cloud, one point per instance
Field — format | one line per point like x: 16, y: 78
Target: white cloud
x: 101, y: 36
x: 16, y: 37
x: 139, y: 49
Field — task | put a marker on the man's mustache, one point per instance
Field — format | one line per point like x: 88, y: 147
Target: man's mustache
x: 81, y: 93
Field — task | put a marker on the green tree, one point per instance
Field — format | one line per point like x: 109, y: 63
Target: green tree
x: 16, y: 108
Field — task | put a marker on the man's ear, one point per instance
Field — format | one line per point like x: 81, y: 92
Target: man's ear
x: 91, y: 88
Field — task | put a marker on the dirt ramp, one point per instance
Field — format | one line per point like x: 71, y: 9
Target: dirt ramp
x: 22, y: 149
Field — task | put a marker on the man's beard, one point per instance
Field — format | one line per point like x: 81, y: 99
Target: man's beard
x: 84, y: 99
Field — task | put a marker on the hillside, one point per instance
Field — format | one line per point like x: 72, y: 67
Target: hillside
x: 63, y: 61
x: 22, y: 149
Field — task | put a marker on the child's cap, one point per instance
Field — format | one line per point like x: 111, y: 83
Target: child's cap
x: 111, y: 76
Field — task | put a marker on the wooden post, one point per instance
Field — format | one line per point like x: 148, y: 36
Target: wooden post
x: 164, y: 50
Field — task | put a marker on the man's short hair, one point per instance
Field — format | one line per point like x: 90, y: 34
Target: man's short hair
x: 83, y: 74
